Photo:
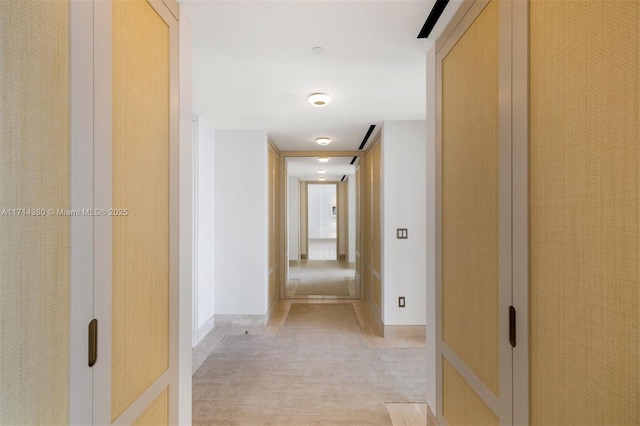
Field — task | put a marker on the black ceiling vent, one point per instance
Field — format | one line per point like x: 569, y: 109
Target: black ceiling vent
x: 364, y: 141
x: 366, y: 137
x: 433, y: 17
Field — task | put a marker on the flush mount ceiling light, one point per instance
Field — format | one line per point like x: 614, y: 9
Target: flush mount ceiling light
x: 323, y: 159
x: 319, y: 99
x: 322, y: 171
x: 318, y: 50
x: 322, y: 178
x: 323, y: 141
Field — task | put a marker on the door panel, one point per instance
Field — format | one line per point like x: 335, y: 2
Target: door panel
x: 372, y: 231
x: 358, y: 228
x: 584, y: 153
x: 140, y: 250
x: 470, y: 197
x: 273, y: 181
x: 462, y: 406
x: 157, y: 413
x: 475, y: 219
x: 34, y: 249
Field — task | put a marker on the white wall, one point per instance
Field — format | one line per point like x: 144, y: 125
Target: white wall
x: 351, y: 185
x: 320, y: 200
x: 404, y: 188
x: 205, y: 224
x: 241, y: 220
x: 294, y: 218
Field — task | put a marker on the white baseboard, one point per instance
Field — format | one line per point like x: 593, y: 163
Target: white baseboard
x: 204, y: 330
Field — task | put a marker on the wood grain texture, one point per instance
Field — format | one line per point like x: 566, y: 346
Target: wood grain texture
x: 34, y: 174
x: 377, y: 209
x: 140, y: 315
x: 273, y: 181
x: 470, y: 197
x: 584, y: 194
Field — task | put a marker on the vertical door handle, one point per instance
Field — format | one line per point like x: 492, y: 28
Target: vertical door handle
x: 93, y: 342
x: 512, y: 326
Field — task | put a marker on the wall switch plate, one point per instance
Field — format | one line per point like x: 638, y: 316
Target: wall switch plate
x: 401, y: 301
x: 402, y: 233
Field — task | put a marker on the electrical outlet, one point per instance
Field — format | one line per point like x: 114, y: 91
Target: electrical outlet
x: 402, y: 233
x: 401, y: 301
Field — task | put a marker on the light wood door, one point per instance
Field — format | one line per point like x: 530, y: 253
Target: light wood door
x: 274, y: 183
x: 136, y: 263
x: 358, y: 178
x: 474, y: 278
x: 372, y: 261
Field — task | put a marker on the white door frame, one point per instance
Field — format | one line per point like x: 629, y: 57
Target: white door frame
x: 195, y: 335
x: 520, y: 205
x: 81, y: 291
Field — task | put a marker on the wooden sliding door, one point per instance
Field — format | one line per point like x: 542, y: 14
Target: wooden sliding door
x: 474, y: 250
x: 136, y: 254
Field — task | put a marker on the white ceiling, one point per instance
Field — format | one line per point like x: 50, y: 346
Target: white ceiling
x: 253, y: 66
x: 306, y: 168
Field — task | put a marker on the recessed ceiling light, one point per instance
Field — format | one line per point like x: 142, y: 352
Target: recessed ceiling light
x: 323, y: 141
x: 318, y: 50
x: 322, y: 171
x: 319, y: 99
x: 322, y: 178
x: 323, y: 159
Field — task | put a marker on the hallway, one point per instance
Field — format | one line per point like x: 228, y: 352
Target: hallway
x: 313, y: 363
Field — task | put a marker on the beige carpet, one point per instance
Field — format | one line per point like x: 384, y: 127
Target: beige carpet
x: 317, y: 371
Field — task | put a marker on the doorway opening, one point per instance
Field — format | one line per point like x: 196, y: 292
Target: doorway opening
x: 322, y: 223
x: 321, y: 227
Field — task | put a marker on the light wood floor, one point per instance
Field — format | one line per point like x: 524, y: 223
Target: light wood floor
x: 311, y: 278
x: 414, y: 413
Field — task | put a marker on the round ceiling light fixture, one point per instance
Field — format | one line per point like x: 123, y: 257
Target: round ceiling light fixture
x: 318, y: 50
x: 322, y: 178
x: 323, y: 159
x: 319, y: 99
x: 322, y: 171
x: 323, y: 141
